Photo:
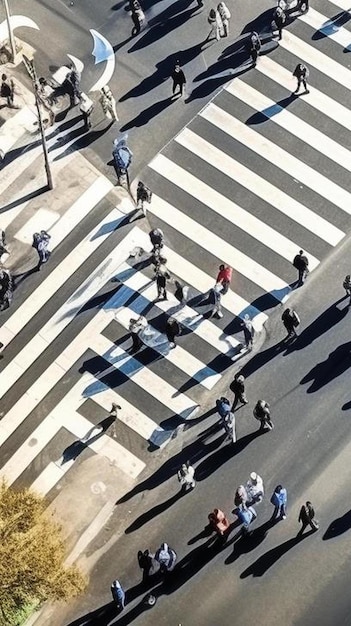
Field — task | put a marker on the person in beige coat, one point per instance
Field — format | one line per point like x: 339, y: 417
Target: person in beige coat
x: 108, y: 103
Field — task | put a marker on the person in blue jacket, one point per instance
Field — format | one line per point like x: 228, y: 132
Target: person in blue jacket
x: 279, y: 500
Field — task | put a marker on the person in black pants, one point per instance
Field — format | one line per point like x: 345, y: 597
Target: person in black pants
x: 179, y: 79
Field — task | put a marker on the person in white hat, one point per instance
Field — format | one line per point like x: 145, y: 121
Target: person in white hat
x: 255, y: 488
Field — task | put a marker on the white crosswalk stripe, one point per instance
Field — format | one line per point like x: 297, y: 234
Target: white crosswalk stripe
x: 224, y: 190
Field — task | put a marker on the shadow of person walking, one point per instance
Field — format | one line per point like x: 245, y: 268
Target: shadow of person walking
x: 264, y: 562
x: 338, y: 526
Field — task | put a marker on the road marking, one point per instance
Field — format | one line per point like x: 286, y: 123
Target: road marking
x: 328, y: 27
x: 274, y: 155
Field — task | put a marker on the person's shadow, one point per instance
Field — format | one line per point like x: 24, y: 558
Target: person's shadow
x: 250, y: 542
x: 147, y: 114
x: 156, y: 510
x: 338, y: 526
x: 264, y: 562
x: 101, y: 616
x: 323, y: 373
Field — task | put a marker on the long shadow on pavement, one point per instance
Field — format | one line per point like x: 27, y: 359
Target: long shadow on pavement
x: 101, y: 616
x: 152, y: 513
x: 323, y: 373
x: 338, y: 526
x: 264, y: 562
x: 250, y: 542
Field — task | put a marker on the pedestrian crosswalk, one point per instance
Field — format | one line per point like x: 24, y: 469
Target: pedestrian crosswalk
x: 256, y: 176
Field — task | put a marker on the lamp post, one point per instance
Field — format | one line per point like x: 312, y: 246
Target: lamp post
x: 11, y: 37
x: 32, y: 73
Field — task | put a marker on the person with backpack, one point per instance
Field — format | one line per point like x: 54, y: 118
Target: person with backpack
x: 279, y: 20
x: 122, y: 157
x: 262, y: 413
x: 255, y: 488
x: 248, y: 330
x: 224, y: 15
x: 237, y: 386
x: 290, y: 320
x: 166, y: 557
x: 307, y: 517
x: 301, y: 72
x: 144, y: 194
x: 301, y: 263
x: 254, y: 46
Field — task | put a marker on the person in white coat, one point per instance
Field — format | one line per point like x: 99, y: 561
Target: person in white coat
x: 108, y: 103
x: 224, y: 14
x: 214, y: 20
x: 255, y: 488
x: 186, y: 475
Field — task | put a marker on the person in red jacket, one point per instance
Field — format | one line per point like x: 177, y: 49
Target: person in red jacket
x: 224, y: 277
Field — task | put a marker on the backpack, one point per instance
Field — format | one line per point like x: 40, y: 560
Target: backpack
x: 295, y: 319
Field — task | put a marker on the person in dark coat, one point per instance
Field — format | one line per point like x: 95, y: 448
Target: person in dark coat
x: 178, y: 78
x: 41, y: 244
x: 307, y: 517
x: 172, y: 331
x: 290, y: 321
x: 238, y: 388
x: 279, y: 18
x: 255, y: 46
x: 301, y: 263
x: 301, y: 72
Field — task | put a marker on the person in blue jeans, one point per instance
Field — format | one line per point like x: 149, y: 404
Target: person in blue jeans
x: 279, y: 500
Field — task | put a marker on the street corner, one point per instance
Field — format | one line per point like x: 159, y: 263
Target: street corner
x: 86, y: 500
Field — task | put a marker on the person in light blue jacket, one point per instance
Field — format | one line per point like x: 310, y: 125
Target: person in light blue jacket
x: 279, y: 500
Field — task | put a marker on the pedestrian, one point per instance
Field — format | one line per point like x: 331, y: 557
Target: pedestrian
x: 7, y: 90
x: 219, y: 522
x: 262, y: 413
x: 147, y: 564
x: 255, y: 488
x: 223, y: 408
x: 172, y: 331
x: 214, y: 20
x: 3, y: 249
x: 86, y: 108
x: 138, y: 18
x: 241, y: 496
x: 301, y: 72
x: 215, y: 300
x: 157, y: 239
x: 161, y: 275
x: 307, y: 517
x: 255, y: 47
x: 224, y: 14
x: 246, y: 515
x: 108, y: 103
x: 179, y: 79
x: 72, y: 85
x: 118, y: 594
x: 224, y: 277
x: 279, y: 500
x: 229, y: 426
x: 347, y: 286
x: 279, y: 19
x: 237, y: 386
x: 186, y: 475
x: 290, y: 320
x: 181, y: 292
x: 6, y: 289
x: 136, y: 326
x: 301, y: 263
x: 114, y: 409
x: 41, y: 244
x: 248, y: 330
x: 166, y: 557
x: 144, y: 194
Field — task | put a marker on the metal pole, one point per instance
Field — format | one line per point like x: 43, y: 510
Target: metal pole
x: 43, y: 138
x: 29, y: 64
x: 11, y: 37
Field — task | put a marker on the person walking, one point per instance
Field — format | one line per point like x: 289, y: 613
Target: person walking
x: 144, y: 194
x: 229, y: 426
x: 185, y: 476
x: 237, y: 386
x: 224, y: 277
x: 301, y: 72
x: 255, y: 488
x: 279, y: 20
x: 347, y: 286
x: 138, y: 17
x: 108, y: 103
x: 249, y: 331
x: 307, y: 517
x: 246, y: 515
x: 262, y: 413
x: 215, y: 299
x: 279, y: 500
x: 301, y: 263
x: 241, y: 496
x: 118, y: 594
x: 214, y: 20
x: 3, y: 248
x: 223, y: 408
x: 41, y: 244
x: 255, y: 47
x: 157, y: 239
x: 162, y: 275
x: 219, y: 522
x: 136, y: 326
x: 225, y: 16
x: 290, y: 320
x: 122, y: 157
x: 147, y: 564
x: 7, y: 90
x: 166, y: 557
x: 179, y: 79
x: 86, y: 108
x: 172, y: 331
x: 181, y: 292
x: 6, y: 289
